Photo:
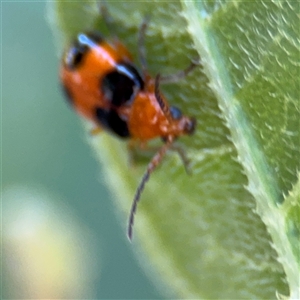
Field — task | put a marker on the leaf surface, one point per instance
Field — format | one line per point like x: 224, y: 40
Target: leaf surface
x: 230, y: 231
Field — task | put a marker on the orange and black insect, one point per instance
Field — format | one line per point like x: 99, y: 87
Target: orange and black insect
x: 103, y: 85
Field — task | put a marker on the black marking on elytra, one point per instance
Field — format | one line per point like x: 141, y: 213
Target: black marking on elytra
x: 75, y: 55
x: 112, y: 122
x: 122, y: 84
x: 130, y: 69
x: 80, y: 47
x: 95, y: 36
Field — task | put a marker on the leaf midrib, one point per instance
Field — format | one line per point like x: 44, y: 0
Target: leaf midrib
x: 262, y: 183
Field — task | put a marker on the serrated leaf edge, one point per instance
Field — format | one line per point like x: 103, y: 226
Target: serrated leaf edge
x: 261, y: 182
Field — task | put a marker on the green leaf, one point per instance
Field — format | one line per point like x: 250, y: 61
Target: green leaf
x: 230, y: 231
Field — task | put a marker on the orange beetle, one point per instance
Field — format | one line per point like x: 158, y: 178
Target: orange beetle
x: 102, y: 83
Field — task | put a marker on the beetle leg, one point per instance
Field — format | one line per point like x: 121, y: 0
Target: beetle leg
x: 141, y: 44
x: 182, y: 154
x: 108, y: 20
x: 95, y: 131
x: 181, y: 74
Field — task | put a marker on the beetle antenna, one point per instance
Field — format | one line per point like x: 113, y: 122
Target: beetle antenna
x: 151, y: 167
x: 162, y: 103
x: 181, y: 74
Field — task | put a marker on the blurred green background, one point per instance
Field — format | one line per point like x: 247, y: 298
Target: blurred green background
x: 61, y: 234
